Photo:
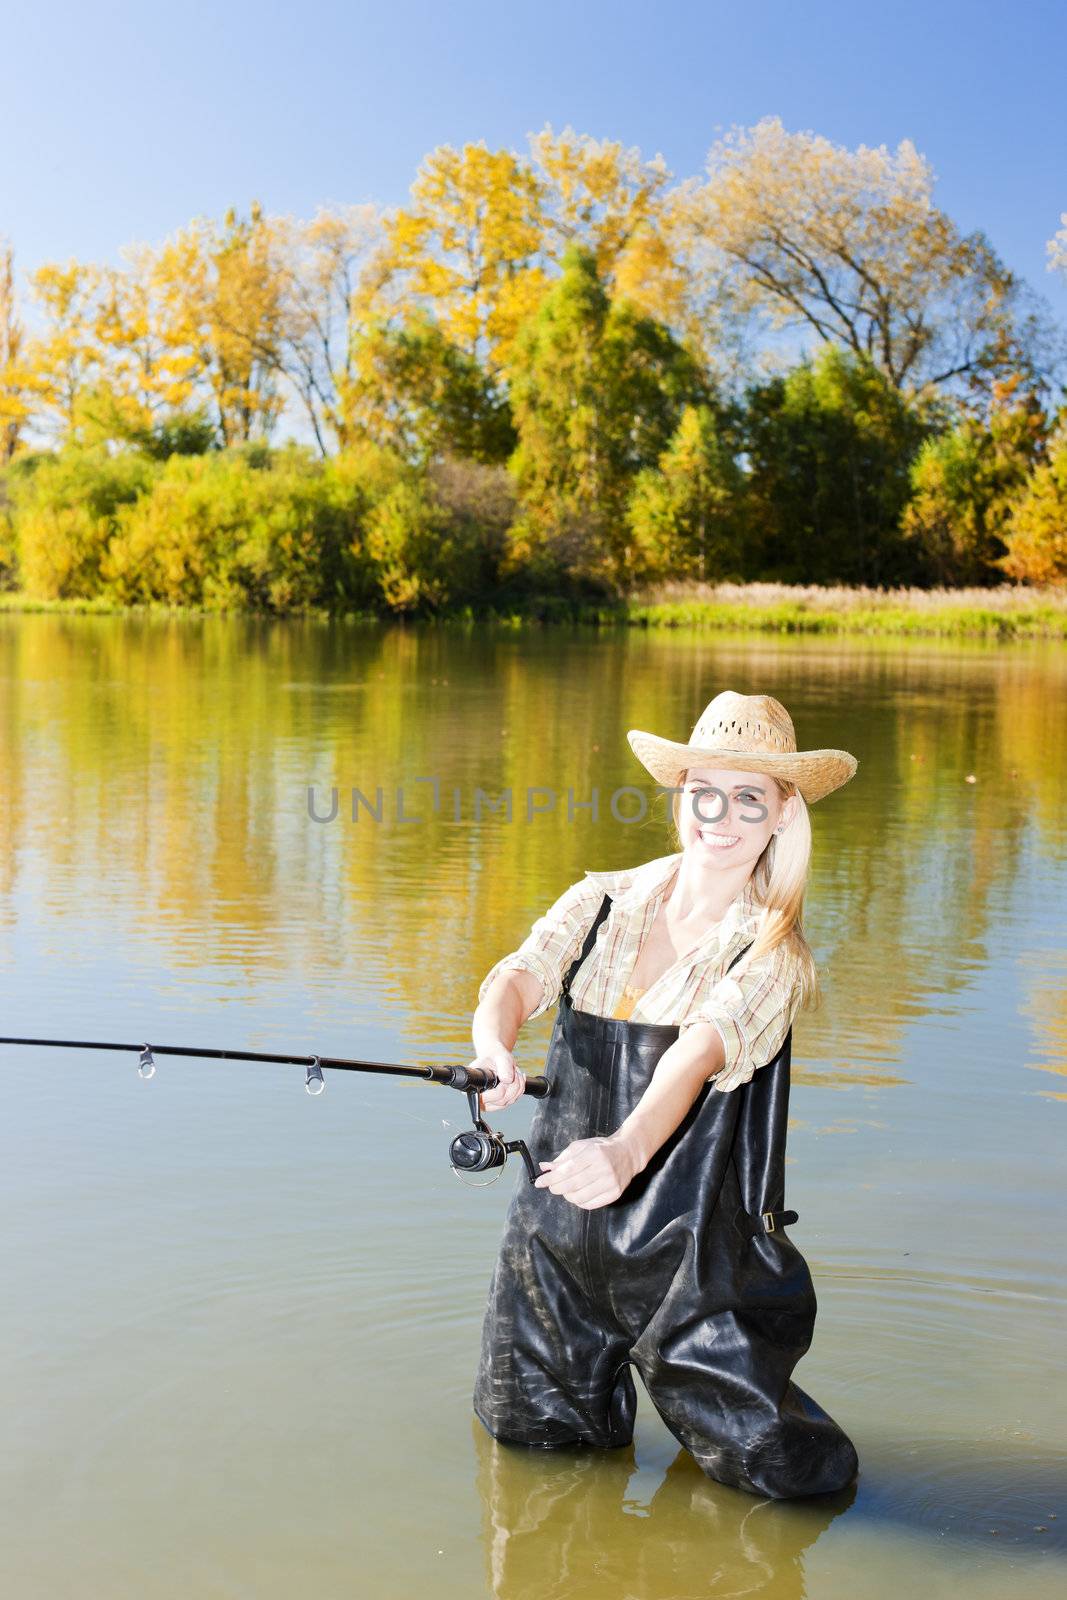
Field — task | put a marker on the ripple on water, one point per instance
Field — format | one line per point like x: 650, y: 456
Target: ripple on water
x: 943, y: 1381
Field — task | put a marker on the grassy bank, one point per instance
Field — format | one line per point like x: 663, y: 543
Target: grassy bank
x: 1008, y: 612
x: 1011, y: 611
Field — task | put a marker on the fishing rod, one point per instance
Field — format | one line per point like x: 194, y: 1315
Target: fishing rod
x: 477, y: 1149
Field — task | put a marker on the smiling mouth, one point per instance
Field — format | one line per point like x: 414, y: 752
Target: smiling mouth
x: 720, y: 841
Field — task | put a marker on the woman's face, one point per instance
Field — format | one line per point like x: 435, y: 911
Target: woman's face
x: 726, y: 817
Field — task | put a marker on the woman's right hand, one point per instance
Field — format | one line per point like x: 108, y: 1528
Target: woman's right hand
x: 512, y: 1082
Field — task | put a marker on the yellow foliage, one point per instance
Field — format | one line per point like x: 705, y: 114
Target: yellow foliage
x: 467, y: 245
x: 62, y: 361
x: 478, y: 243
x: 1037, y: 537
x: 14, y: 378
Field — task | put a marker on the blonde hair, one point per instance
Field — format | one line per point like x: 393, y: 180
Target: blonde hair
x: 778, y: 880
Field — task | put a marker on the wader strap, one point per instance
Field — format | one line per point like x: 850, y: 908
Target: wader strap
x: 769, y: 1221
x: 743, y: 951
x: 605, y: 907
x: 772, y: 1220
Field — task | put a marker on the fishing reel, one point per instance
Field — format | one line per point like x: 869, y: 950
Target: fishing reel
x: 479, y: 1149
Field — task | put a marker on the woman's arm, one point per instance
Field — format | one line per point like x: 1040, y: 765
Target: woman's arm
x: 594, y: 1172
x: 525, y: 983
x: 551, y: 944
x: 510, y: 999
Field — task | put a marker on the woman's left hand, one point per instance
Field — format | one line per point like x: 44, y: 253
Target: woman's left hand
x: 590, y: 1172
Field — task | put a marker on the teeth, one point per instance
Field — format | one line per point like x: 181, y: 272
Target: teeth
x: 721, y: 841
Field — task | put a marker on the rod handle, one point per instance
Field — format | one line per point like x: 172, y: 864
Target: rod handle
x: 469, y: 1078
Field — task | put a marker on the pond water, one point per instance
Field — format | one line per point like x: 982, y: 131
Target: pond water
x: 240, y: 1323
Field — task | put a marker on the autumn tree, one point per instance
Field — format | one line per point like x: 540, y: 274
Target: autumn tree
x: 14, y: 402
x: 604, y: 197
x: 850, y: 247
x: 322, y: 265
x: 465, y: 250
x: 220, y: 295
x: 1036, y: 530
x: 485, y: 231
x: 64, y: 360
x: 66, y: 509
x: 135, y: 397
x: 966, y: 484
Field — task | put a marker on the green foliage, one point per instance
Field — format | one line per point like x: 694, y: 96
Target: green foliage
x: 180, y: 434
x: 557, y: 315
x: 685, y: 513
x: 966, y: 484
x: 64, y: 509
x: 625, y: 471
x: 420, y: 394
x: 257, y: 528
x: 437, y: 538
x: 273, y: 531
x: 103, y: 417
x: 597, y: 391
x: 829, y: 446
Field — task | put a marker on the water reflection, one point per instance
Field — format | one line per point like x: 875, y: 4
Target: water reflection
x: 178, y: 754
x: 564, y: 1524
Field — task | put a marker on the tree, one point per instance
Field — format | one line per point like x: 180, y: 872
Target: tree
x: 1036, y: 529
x: 63, y: 362
x: 414, y: 391
x: 427, y: 546
x: 134, y: 389
x: 484, y: 234
x: 609, y: 200
x: 601, y: 196
x: 685, y: 513
x: 65, y: 509
x: 220, y: 297
x: 596, y: 393
x: 465, y: 251
x: 323, y: 263
x: 14, y: 402
x: 849, y: 246
x: 966, y: 483
x: 829, y: 446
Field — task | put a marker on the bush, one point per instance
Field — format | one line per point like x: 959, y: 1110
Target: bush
x: 439, y: 536
x: 64, y: 510
x: 248, y: 527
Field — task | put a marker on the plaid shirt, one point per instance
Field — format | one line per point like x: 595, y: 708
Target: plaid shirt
x: 753, y: 1011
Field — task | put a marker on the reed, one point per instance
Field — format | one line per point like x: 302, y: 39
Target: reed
x: 1010, y: 611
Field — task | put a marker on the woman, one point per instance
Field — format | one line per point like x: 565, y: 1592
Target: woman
x: 653, y: 1235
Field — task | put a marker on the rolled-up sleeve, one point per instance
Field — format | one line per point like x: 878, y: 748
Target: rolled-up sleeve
x: 753, y: 1013
x: 552, y: 943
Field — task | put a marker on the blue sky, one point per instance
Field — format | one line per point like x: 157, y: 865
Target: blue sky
x: 121, y: 122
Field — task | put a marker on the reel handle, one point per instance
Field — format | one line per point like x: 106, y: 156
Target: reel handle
x: 480, y: 1149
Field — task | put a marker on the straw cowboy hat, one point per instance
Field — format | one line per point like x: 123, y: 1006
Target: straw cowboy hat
x: 745, y: 733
